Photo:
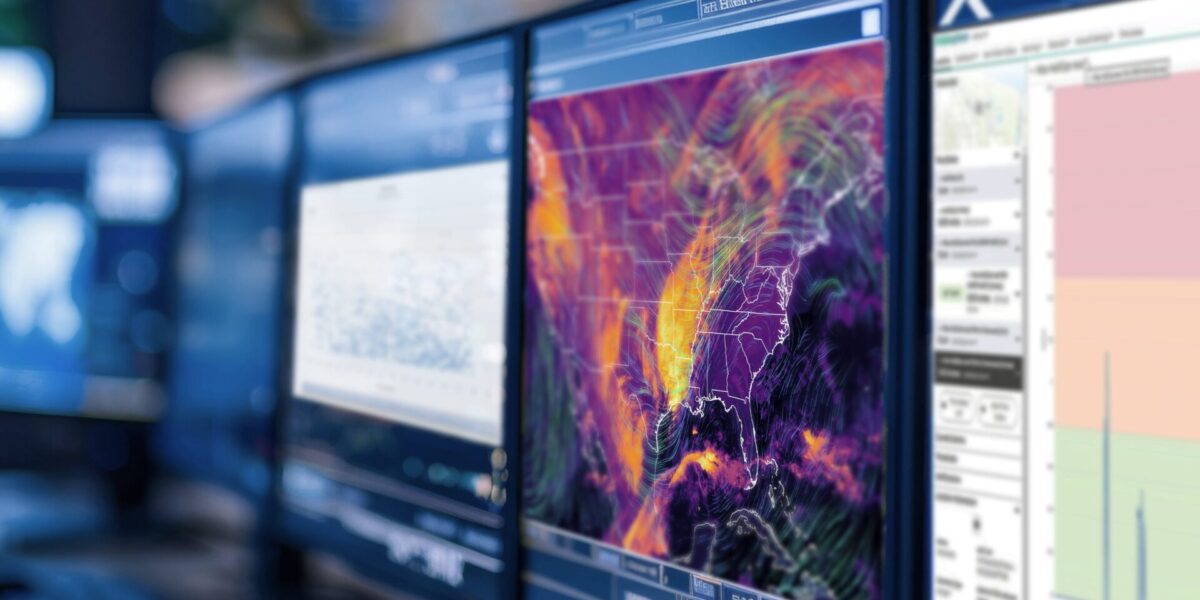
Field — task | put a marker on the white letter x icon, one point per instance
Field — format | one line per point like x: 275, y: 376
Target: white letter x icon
x: 977, y: 6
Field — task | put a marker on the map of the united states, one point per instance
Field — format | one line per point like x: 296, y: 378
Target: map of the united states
x: 704, y: 320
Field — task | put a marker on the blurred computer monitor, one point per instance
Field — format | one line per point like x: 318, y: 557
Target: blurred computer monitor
x: 84, y: 213
x: 395, y: 452
x: 229, y: 266
x: 704, y: 308
x: 1066, y: 299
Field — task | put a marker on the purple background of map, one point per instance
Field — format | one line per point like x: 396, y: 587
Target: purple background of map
x: 705, y: 320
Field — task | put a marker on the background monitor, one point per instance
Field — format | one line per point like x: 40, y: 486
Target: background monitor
x: 229, y: 265
x: 705, y: 302
x: 395, y: 451
x: 1066, y: 306
x: 84, y: 208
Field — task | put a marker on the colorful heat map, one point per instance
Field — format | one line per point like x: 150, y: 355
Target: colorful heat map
x: 705, y: 320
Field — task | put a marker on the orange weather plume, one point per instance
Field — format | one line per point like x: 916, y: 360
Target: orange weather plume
x: 830, y: 463
x: 679, y: 316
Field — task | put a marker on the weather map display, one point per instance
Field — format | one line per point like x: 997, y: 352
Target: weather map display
x: 83, y: 327
x: 1066, y: 302
x: 395, y: 458
x: 703, y: 403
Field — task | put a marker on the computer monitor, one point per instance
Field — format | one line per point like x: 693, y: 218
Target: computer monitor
x: 705, y: 302
x: 1066, y: 299
x: 84, y: 208
x: 396, y: 447
x: 229, y: 272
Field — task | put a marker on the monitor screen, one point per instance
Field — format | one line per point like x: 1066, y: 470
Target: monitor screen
x: 395, y: 457
x: 1066, y: 294
x: 84, y: 207
x: 704, y: 308
x: 228, y: 294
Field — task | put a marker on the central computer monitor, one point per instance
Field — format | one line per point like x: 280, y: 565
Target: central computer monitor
x: 396, y: 451
x: 705, y: 302
x: 1066, y: 299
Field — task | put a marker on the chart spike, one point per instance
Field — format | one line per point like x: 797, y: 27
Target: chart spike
x: 1106, y: 492
x: 1141, y: 547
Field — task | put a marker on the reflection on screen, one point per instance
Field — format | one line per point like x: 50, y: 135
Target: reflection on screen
x: 229, y: 267
x: 704, y: 318
x: 395, y: 455
x: 1067, y: 304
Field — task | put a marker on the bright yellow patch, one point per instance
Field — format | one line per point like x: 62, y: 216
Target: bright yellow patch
x: 679, y: 315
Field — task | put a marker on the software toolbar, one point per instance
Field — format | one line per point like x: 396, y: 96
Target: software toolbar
x: 603, y: 571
